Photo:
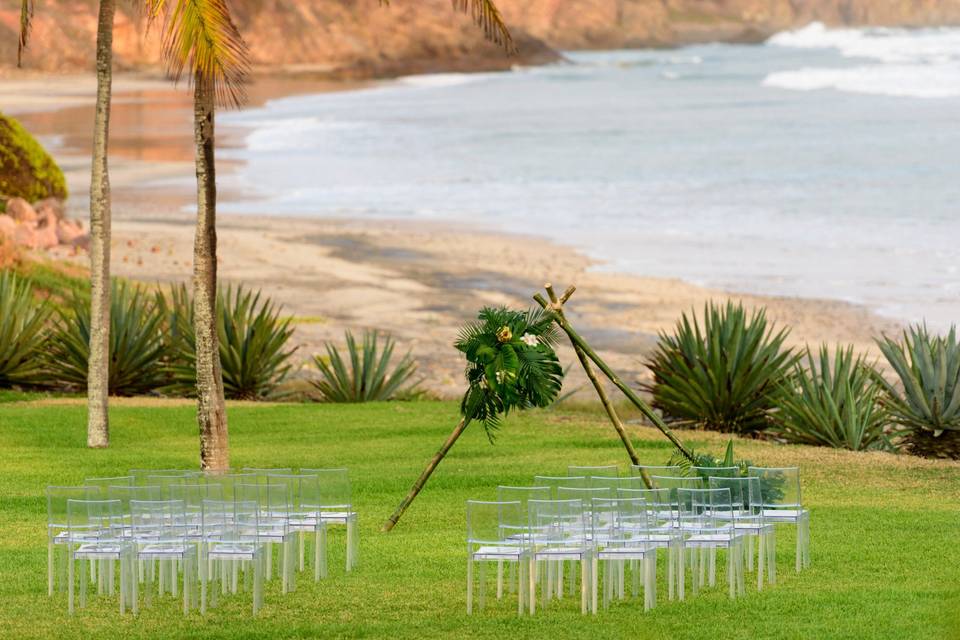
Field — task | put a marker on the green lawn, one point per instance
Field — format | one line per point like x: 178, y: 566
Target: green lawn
x: 885, y: 529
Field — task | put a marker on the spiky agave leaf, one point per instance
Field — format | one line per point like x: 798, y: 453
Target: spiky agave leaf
x: 834, y: 402
x: 723, y: 375
x: 23, y: 324
x: 371, y: 374
x: 137, y: 347
x: 928, y: 400
x: 200, y: 35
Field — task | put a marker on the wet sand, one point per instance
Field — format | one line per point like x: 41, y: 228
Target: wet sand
x: 419, y: 281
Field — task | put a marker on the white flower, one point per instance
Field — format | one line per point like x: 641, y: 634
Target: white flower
x: 530, y: 340
x: 500, y: 377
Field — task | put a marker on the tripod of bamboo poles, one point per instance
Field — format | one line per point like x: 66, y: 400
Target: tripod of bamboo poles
x: 586, y: 356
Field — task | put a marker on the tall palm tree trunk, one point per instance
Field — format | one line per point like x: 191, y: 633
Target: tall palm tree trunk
x: 211, y: 408
x: 98, y: 366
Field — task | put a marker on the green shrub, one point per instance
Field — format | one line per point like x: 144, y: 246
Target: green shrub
x: 834, y: 404
x: 369, y: 376
x: 723, y: 376
x: 23, y: 324
x: 253, y: 339
x: 137, y: 350
x: 26, y: 170
x: 927, y: 402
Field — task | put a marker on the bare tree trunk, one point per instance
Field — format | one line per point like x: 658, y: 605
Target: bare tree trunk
x: 422, y: 480
x: 98, y: 364
x: 211, y: 408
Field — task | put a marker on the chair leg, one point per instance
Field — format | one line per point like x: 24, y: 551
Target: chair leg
x: 681, y: 573
x: 351, y: 542
x: 731, y: 577
x: 469, y: 585
x: 594, y: 572
x: 482, y: 595
x: 761, y: 554
x: 70, y: 580
x: 135, y: 567
x: 83, y: 584
x: 499, y: 579
x: 519, y: 571
x: 532, y: 587
x: 584, y: 585
x: 50, y: 563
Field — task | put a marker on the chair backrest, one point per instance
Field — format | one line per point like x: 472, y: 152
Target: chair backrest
x: 779, y: 486
x: 716, y: 472
x: 158, y: 520
x: 303, y: 489
x: 585, y: 494
x: 620, y: 521
x: 228, y: 481
x: 744, y: 493
x: 230, y: 520
x: 141, y: 476
x: 672, y: 483
x: 556, y: 522
x: 165, y: 482
x: 623, y: 482
x: 262, y: 474
x: 705, y: 509
x: 554, y: 482
x: 193, y: 495
x: 105, y: 482
x: 662, y: 511
x: 273, y: 500
x: 656, y: 470
x: 90, y: 520
x: 126, y: 493
x: 336, y: 493
x: 494, y: 522
x: 610, y: 471
x: 522, y: 495
x: 57, y: 497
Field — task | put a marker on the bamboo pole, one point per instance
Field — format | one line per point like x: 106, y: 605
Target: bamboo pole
x: 422, y: 480
x: 557, y: 308
x: 579, y: 343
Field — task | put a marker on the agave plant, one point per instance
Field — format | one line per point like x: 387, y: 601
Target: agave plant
x: 23, y: 324
x: 364, y: 373
x: 927, y: 402
x: 723, y: 376
x: 253, y: 338
x: 137, y: 349
x: 834, y: 404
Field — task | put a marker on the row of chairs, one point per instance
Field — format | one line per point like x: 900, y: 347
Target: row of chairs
x: 178, y: 528
x: 619, y: 524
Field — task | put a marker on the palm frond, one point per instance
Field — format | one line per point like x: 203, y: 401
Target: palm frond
x: 200, y: 35
x: 26, y: 17
x: 487, y: 16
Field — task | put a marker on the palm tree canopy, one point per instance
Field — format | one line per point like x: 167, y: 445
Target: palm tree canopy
x: 488, y: 17
x: 26, y: 15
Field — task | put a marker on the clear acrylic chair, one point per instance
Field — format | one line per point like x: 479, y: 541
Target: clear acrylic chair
x: 513, y: 530
x: 102, y: 484
x: 335, y: 507
x: 614, y: 484
x: 141, y: 476
x: 715, y: 472
x: 748, y: 505
x: 57, y: 530
x: 554, y: 482
x: 672, y: 483
x: 95, y: 532
x: 228, y: 481
x: 557, y: 533
x: 707, y: 521
x: 621, y: 533
x: 492, y: 537
x: 304, y: 491
x: 159, y: 529
x: 664, y: 532
x: 231, y: 541
x: 275, y: 504
x: 782, y: 504
x: 262, y: 473
x: 610, y: 471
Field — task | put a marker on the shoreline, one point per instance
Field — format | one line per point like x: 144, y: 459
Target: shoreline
x: 419, y: 280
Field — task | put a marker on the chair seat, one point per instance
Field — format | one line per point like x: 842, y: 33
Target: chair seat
x: 338, y: 517
x: 499, y: 553
x: 784, y: 515
x: 171, y: 549
x: 233, y: 550
x: 562, y: 553
x: 711, y: 539
x: 625, y: 553
x: 753, y: 527
x: 100, y: 550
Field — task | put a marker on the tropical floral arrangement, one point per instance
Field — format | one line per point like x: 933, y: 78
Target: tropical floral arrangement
x: 511, y: 363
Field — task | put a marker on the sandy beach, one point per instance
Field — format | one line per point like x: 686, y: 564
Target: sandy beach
x: 418, y: 281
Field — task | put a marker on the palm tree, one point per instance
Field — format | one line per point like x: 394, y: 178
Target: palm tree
x: 98, y: 365
x: 201, y: 38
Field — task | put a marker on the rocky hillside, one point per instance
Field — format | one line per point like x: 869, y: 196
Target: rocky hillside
x: 360, y: 38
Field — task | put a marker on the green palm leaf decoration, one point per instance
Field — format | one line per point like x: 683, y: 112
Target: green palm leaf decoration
x: 511, y: 364
x: 365, y: 374
x: 23, y: 323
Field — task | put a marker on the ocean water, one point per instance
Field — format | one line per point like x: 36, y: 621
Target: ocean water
x: 824, y: 163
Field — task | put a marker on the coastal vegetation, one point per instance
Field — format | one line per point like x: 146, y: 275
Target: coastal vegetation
x: 365, y: 372
x: 26, y: 169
